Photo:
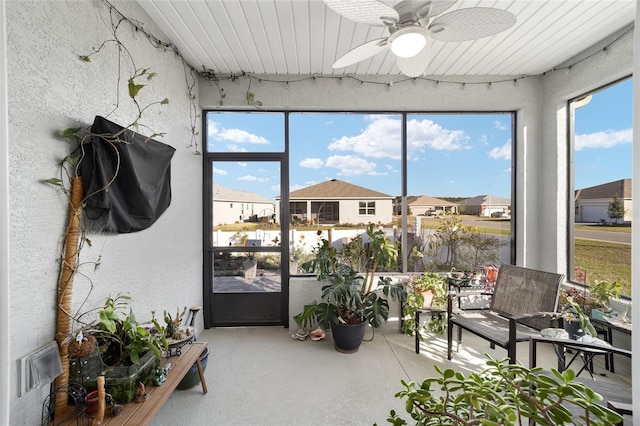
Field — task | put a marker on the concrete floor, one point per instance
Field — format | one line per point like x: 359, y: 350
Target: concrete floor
x: 261, y: 376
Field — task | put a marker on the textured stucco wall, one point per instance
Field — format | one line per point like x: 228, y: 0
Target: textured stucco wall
x: 50, y: 89
x: 306, y: 290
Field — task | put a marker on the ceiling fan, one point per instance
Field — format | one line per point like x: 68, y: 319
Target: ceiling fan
x: 411, y: 23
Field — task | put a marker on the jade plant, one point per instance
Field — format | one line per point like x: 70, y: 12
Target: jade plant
x: 502, y: 394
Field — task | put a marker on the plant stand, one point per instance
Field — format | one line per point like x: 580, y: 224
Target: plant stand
x: 430, y: 310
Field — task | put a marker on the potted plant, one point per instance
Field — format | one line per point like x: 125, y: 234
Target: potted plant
x: 501, y: 394
x: 575, y: 321
x: 351, y: 300
x: 604, y: 291
x: 426, y: 290
x: 118, y: 347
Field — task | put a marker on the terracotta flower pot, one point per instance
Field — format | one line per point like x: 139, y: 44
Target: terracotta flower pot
x: 92, y: 402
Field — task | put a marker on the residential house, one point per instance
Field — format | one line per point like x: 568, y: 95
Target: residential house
x: 485, y: 205
x: 336, y: 201
x: 231, y: 206
x: 592, y: 203
x: 425, y: 205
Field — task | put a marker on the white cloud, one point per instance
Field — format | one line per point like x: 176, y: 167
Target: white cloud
x: 427, y: 134
x: 235, y: 148
x: 499, y: 125
x: 484, y: 139
x: 501, y: 152
x: 238, y: 136
x: 350, y: 165
x: 311, y: 163
x: 251, y: 178
x: 606, y: 139
x: 379, y: 139
x: 220, y: 172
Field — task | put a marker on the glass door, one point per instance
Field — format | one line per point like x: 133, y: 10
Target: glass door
x: 245, y: 281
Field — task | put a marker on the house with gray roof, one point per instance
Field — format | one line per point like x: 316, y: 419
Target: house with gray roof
x: 336, y: 201
x: 484, y: 205
x: 424, y: 205
x: 231, y: 206
x: 592, y: 203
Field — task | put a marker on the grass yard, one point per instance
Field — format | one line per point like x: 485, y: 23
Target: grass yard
x: 604, y: 261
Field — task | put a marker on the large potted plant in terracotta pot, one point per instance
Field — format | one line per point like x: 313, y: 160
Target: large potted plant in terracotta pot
x: 351, y: 300
x: 425, y: 291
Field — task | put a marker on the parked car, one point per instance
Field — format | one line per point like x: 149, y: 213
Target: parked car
x: 433, y: 212
x: 503, y: 215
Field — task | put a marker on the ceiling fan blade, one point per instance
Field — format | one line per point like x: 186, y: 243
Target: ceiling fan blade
x: 362, y: 52
x: 367, y: 12
x: 471, y: 23
x: 416, y: 65
x: 436, y: 8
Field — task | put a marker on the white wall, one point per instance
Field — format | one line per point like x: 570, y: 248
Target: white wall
x: 5, y: 350
x: 350, y: 212
x: 50, y: 89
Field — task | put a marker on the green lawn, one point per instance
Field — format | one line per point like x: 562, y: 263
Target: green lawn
x: 605, y: 261
x: 608, y: 228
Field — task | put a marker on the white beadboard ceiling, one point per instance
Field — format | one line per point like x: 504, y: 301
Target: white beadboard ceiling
x: 301, y: 37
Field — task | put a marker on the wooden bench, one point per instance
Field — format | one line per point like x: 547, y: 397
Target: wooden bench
x: 522, y: 304
x: 134, y: 414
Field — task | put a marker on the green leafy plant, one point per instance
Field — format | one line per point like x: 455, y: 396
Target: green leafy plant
x: 501, y: 394
x: 349, y: 297
x: 604, y: 291
x: 416, y: 288
x: 447, y: 243
x: 571, y: 312
x: 121, y: 339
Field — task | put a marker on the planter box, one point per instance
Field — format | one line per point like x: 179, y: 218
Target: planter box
x: 120, y: 382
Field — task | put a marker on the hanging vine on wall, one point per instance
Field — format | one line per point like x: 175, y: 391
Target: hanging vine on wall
x: 70, y: 183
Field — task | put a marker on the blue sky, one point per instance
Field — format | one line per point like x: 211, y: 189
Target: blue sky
x: 603, y: 137
x: 457, y: 155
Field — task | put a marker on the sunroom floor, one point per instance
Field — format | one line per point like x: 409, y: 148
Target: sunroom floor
x: 261, y: 376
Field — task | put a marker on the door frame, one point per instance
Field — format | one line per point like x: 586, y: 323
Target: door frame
x: 245, y: 309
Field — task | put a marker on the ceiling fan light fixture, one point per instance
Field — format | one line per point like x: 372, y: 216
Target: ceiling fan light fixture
x: 407, y: 42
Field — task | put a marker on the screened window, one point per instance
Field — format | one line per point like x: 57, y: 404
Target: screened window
x: 600, y: 199
x: 367, y: 208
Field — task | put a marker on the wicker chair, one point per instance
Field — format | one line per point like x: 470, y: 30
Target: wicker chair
x: 522, y: 304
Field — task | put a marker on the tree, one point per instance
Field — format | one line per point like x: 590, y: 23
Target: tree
x: 446, y: 243
x: 616, y: 209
